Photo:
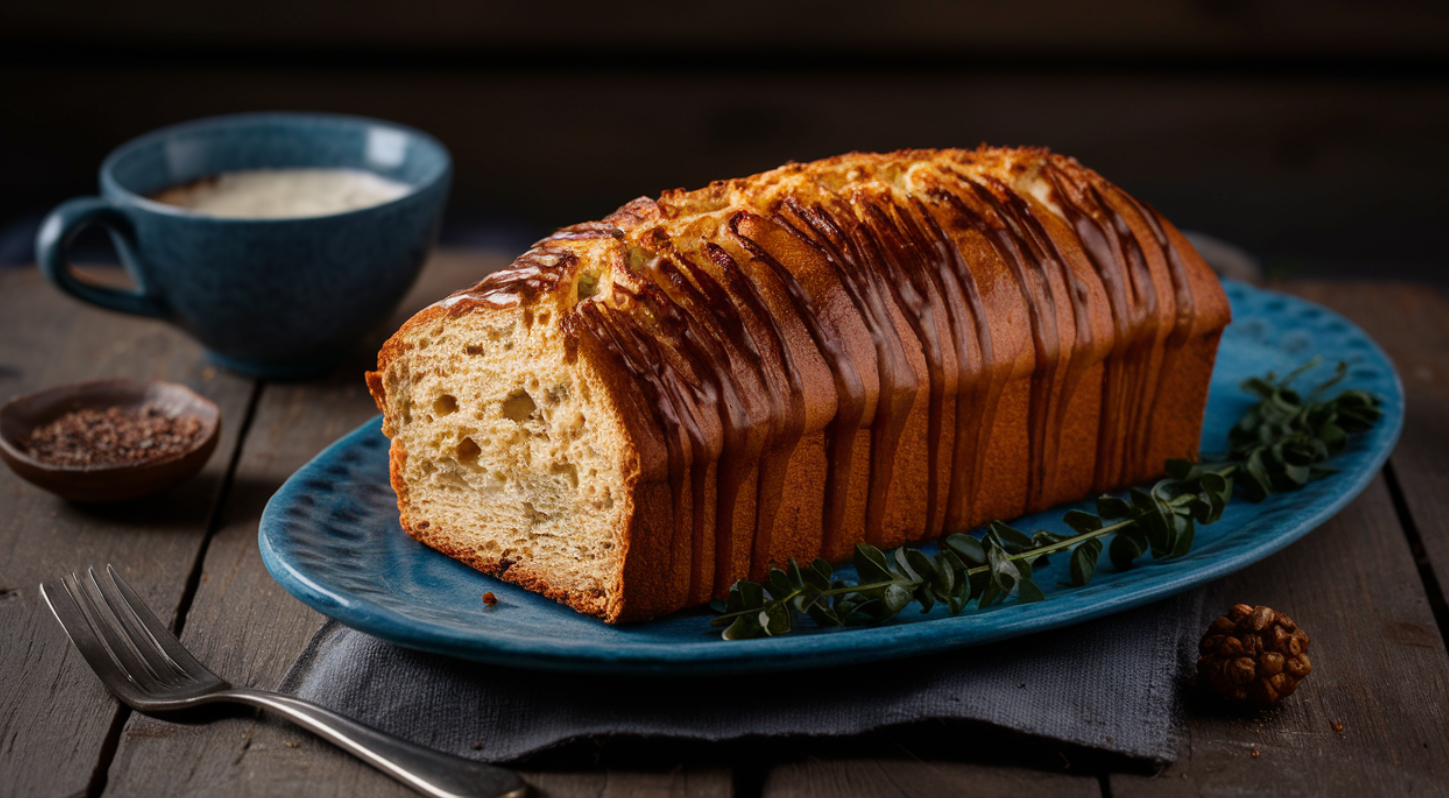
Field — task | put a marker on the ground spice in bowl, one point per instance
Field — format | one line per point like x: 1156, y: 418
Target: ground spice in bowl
x: 108, y: 440
x: 113, y: 436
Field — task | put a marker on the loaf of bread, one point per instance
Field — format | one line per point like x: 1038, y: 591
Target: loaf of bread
x: 880, y: 348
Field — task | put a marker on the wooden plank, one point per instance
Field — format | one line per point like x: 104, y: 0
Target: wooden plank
x: 249, y: 630
x: 1411, y: 323
x: 54, y: 714
x: 1380, y: 674
x: 884, y: 778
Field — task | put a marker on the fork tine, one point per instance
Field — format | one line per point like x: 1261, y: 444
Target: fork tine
x: 67, y: 609
x: 135, y: 630
x: 108, y: 627
x: 116, y: 590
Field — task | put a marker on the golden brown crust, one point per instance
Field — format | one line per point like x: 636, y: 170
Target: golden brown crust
x: 869, y: 348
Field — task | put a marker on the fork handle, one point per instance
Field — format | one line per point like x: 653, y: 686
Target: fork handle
x: 425, y: 770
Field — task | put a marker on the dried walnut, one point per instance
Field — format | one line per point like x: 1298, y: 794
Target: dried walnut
x: 1254, y: 655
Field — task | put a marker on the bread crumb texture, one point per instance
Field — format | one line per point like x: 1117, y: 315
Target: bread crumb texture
x: 507, y: 463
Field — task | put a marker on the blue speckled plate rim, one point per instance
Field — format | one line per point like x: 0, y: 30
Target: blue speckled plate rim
x: 865, y: 644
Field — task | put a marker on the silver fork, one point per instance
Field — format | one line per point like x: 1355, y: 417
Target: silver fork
x: 139, y: 660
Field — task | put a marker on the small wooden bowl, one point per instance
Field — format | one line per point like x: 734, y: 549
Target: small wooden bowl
x: 110, y: 483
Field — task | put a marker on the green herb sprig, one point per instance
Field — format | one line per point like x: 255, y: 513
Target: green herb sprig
x: 1280, y: 444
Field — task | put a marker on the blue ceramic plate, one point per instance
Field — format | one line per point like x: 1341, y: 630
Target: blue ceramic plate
x: 330, y: 536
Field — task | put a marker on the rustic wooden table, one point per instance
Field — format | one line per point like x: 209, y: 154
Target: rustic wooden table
x: 1371, y: 720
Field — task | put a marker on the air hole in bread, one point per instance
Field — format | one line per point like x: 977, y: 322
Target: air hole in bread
x: 468, y: 452
x: 445, y: 405
x: 473, y: 350
x: 518, y: 406
x: 569, y: 470
x: 533, y: 515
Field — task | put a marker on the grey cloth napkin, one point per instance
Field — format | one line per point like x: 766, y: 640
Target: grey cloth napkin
x: 1108, y: 685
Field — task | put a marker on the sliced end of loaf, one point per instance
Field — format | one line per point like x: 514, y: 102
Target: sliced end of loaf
x: 507, y: 453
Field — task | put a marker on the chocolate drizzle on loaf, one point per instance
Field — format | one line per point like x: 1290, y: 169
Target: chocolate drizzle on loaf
x: 850, y: 390
x: 708, y: 319
x: 846, y: 245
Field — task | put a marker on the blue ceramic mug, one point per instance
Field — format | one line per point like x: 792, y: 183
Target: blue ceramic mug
x: 269, y: 297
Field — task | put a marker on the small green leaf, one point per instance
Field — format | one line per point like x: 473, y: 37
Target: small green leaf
x: 989, y: 596
x: 1214, y: 482
x: 816, y: 578
x: 921, y: 564
x: 1027, y: 592
x: 797, y: 579
x: 744, y: 627
x: 1082, y: 522
x: 870, y: 564
x: 1159, y: 534
x: 822, y: 614
x: 1185, y: 534
x: 1259, y: 484
x: 967, y: 548
x: 896, y: 598
x: 1201, y: 509
x: 776, y: 619
x: 945, y: 581
x: 924, y: 597
x: 961, y: 591
x: 780, y: 584
x: 823, y: 568
x: 1004, y: 572
x: 1123, y: 550
x: 1084, y: 561
x: 1010, y: 538
x: 1112, y: 507
x: 979, y: 582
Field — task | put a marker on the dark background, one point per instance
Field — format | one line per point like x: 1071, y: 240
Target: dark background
x: 1313, y: 134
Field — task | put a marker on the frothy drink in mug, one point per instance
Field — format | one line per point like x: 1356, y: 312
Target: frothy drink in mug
x: 283, y: 193
x: 278, y: 240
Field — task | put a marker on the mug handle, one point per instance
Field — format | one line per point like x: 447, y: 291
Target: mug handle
x: 52, y: 249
